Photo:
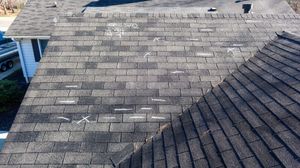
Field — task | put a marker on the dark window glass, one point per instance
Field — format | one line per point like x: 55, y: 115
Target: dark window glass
x: 43, y: 44
x: 36, y: 51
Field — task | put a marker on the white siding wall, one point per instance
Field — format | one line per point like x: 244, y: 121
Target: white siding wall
x: 29, y: 60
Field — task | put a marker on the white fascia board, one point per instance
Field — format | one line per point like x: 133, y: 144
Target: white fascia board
x: 28, y: 37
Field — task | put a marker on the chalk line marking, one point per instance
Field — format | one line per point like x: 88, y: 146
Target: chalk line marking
x: 67, y: 102
x: 158, y: 100
x: 83, y: 119
x: 208, y: 90
x: 137, y: 117
x: 192, y: 39
x: 206, y: 30
x: 123, y: 109
x: 253, y: 21
x: 55, y: 20
x: 237, y: 45
x: 71, y: 86
x: 158, y: 118
x: 64, y: 118
x: 204, y: 54
x: 177, y: 72
x: 146, y: 108
x: 109, y: 118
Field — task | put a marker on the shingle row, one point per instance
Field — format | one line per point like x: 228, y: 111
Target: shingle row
x: 250, y: 120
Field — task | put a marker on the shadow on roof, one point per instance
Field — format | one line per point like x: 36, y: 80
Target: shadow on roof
x: 104, y: 3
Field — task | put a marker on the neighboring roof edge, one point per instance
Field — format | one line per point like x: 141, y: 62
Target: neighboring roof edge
x: 190, y: 15
x: 123, y: 156
x: 290, y: 36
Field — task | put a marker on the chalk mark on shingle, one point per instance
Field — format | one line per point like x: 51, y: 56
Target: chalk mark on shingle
x: 67, y: 101
x: 146, y: 108
x: 158, y: 100
x: 178, y: 72
x: 158, y: 118
x: 137, y: 117
x: 83, y: 119
x: 123, y: 109
x: 71, y: 86
x: 64, y: 118
x: 156, y: 39
x: 147, y: 54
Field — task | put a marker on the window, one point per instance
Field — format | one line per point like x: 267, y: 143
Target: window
x: 38, y: 47
x: 36, y: 50
x: 43, y: 45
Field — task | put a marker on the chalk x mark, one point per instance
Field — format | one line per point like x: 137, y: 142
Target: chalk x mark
x: 147, y: 54
x: 205, y: 133
x: 83, y: 119
x: 230, y: 50
x: 156, y: 39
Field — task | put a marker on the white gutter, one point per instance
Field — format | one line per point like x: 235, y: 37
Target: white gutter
x: 3, y: 135
x: 22, y: 61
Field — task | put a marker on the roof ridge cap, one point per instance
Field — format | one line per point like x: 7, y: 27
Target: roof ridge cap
x: 184, y: 14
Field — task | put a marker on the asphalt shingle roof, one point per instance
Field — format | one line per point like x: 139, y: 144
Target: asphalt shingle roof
x: 109, y: 81
x: 250, y: 120
x: 38, y: 17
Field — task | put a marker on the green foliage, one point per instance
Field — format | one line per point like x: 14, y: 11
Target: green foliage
x: 10, y: 94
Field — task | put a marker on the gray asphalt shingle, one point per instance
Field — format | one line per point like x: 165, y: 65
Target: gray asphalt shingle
x: 254, y: 141
x: 116, y: 86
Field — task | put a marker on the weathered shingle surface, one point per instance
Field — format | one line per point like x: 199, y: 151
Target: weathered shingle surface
x: 39, y: 17
x: 109, y: 81
x: 250, y: 120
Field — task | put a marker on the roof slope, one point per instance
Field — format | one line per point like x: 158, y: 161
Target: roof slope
x: 111, y: 80
x: 38, y: 17
x: 251, y: 119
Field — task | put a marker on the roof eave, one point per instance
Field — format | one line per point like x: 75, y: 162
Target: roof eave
x: 27, y: 37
